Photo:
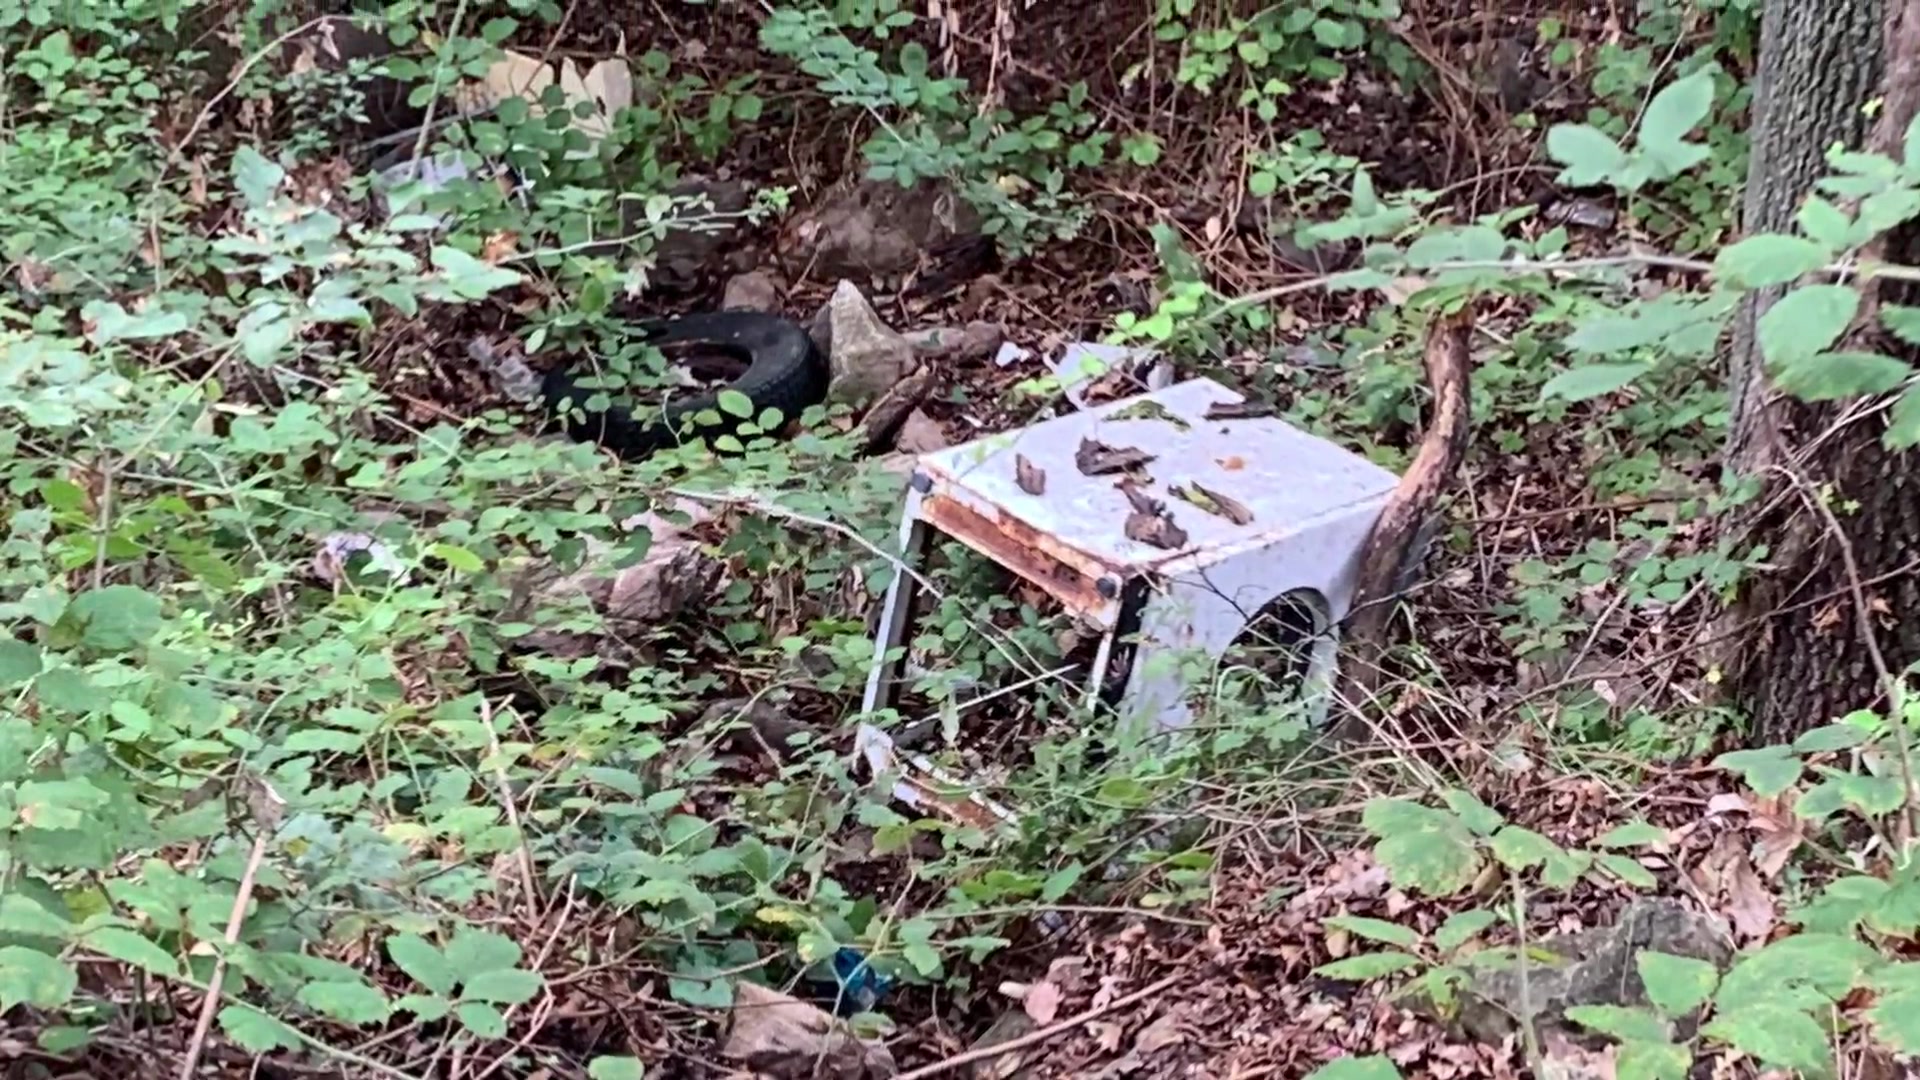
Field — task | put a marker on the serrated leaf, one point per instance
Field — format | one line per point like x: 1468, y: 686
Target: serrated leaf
x: 1484, y: 820
x: 1591, y: 157
x: 1356, y: 1068
x: 31, y: 977
x: 472, y: 952
x: 1771, y: 259
x: 1903, y: 420
x: 1778, y: 1036
x: 1768, y: 770
x: 1676, y: 985
x: 1375, y: 929
x: 1827, y: 966
x: 1840, y: 375
x: 1422, y: 848
x: 467, y: 277
x: 1621, y: 1023
x: 255, y: 177
x: 1522, y: 849
x: 1828, y: 739
x: 1367, y: 966
x: 1461, y: 927
x: 1806, y: 322
x: 1825, y: 223
x: 347, y: 1002
x: 117, y: 618
x: 1896, y: 1020
x: 424, y: 963
x: 1646, y: 1060
x: 19, y: 662
x: 482, y: 1019
x: 1673, y: 112
x: 507, y: 986
x: 131, y: 948
x: 1632, y: 834
x: 1591, y: 381
x: 255, y: 1031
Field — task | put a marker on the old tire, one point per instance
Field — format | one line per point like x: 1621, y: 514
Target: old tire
x: 783, y: 371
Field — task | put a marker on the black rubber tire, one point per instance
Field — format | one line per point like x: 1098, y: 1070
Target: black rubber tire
x: 784, y: 372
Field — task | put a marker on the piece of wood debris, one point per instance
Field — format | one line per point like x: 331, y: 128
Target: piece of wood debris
x: 1215, y: 503
x: 1237, y: 410
x: 1096, y: 458
x: 1031, y: 478
x: 1150, y: 523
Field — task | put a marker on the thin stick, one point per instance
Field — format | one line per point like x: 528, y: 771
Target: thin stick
x: 513, y: 812
x: 211, y: 1003
x: 1040, y: 1035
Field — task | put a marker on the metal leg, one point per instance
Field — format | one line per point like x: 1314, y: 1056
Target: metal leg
x: 896, y: 612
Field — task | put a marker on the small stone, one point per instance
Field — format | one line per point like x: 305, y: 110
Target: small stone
x: 920, y: 434
x: 751, y: 292
x: 975, y: 341
x: 866, y: 356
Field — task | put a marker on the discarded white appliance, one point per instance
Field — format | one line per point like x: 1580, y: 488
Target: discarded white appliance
x: 1169, y: 522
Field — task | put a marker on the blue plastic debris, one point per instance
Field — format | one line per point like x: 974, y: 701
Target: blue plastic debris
x: 854, y: 985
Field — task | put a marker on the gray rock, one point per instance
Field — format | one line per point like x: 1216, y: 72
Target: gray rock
x: 1592, y: 967
x: 975, y: 341
x: 867, y: 357
x: 874, y: 229
x: 751, y: 292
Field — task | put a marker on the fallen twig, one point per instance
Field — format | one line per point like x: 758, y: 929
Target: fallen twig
x: 1039, y: 1035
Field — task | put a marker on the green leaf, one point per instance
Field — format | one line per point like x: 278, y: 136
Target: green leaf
x: 1806, y: 322
x: 19, y: 662
x: 735, y: 403
x: 1621, y: 1023
x: 1760, y: 261
x: 1768, y: 770
x: 1778, y: 1036
x: 422, y: 962
x: 1825, y: 223
x: 1838, y: 375
x: 1673, y: 112
x: 1367, y: 966
x: 1896, y: 1020
x: 1627, y: 870
x: 1590, y: 156
x: 1828, y: 739
x: 1484, y: 820
x: 31, y: 977
x: 255, y: 177
x: 255, y: 1031
x: 117, y: 618
x: 472, y: 952
x: 131, y: 948
x: 1422, y: 848
x: 348, y: 1002
x: 616, y: 1068
x: 1903, y: 420
x: 1461, y: 927
x: 468, y: 277
x: 1459, y: 244
x: 924, y: 957
x: 1522, y: 849
x: 1676, y: 985
x: 427, y: 1007
x: 1591, y: 381
x: 1902, y: 322
x: 482, y: 1019
x: 507, y: 986
x: 1356, y: 1068
x: 1632, y: 834
x: 1826, y: 965
x: 1638, y: 1060
x: 1375, y: 929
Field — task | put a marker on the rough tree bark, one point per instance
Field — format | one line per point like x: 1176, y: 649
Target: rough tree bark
x: 1804, y: 659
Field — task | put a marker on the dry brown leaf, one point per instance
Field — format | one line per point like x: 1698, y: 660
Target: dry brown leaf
x: 1106, y: 1035
x: 1162, y: 1033
x: 1042, y: 1002
x: 1215, y: 503
x: 1095, y: 458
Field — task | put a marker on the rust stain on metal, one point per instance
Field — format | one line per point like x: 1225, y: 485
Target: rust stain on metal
x: 1039, y: 557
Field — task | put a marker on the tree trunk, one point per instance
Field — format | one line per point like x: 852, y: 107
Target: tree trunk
x: 1804, y: 658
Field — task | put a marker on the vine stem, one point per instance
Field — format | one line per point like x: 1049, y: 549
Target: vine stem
x: 211, y: 1003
